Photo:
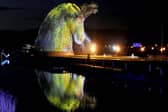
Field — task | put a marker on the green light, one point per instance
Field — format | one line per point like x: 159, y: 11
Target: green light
x: 63, y: 90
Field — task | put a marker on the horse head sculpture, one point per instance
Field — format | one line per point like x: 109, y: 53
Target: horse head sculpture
x: 62, y: 26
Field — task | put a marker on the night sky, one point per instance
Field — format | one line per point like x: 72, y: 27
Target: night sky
x: 25, y: 14
x: 141, y: 20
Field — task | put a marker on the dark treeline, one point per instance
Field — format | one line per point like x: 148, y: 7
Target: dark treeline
x: 12, y: 39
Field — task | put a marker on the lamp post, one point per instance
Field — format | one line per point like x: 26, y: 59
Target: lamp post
x: 92, y: 50
x: 116, y: 49
x: 161, y: 43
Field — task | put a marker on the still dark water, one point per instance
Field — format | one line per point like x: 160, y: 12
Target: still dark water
x: 109, y: 91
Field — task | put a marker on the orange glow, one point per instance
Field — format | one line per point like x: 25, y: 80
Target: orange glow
x: 116, y: 48
x: 142, y: 49
x: 162, y: 49
x: 93, y: 48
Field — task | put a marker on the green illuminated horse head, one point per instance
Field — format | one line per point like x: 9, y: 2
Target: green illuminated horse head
x: 62, y: 26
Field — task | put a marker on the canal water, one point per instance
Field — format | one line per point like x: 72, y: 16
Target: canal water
x: 32, y: 87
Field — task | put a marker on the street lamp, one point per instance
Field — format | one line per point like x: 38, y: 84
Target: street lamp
x: 116, y: 48
x: 142, y: 49
x: 93, y: 48
x: 162, y: 49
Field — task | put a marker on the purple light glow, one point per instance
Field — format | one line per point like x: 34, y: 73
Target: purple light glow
x: 7, y: 102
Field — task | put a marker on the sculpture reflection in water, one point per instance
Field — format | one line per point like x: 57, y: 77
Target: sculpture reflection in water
x: 65, y: 90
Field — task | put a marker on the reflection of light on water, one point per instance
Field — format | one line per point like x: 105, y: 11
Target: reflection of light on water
x: 64, y: 90
x: 7, y: 102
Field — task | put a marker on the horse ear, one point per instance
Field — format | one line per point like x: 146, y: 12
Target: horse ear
x: 88, y: 9
x: 80, y: 16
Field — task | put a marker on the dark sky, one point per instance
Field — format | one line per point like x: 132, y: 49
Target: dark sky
x: 146, y: 19
x: 142, y: 19
x: 25, y: 14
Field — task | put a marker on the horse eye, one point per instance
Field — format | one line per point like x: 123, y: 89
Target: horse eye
x: 76, y: 16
